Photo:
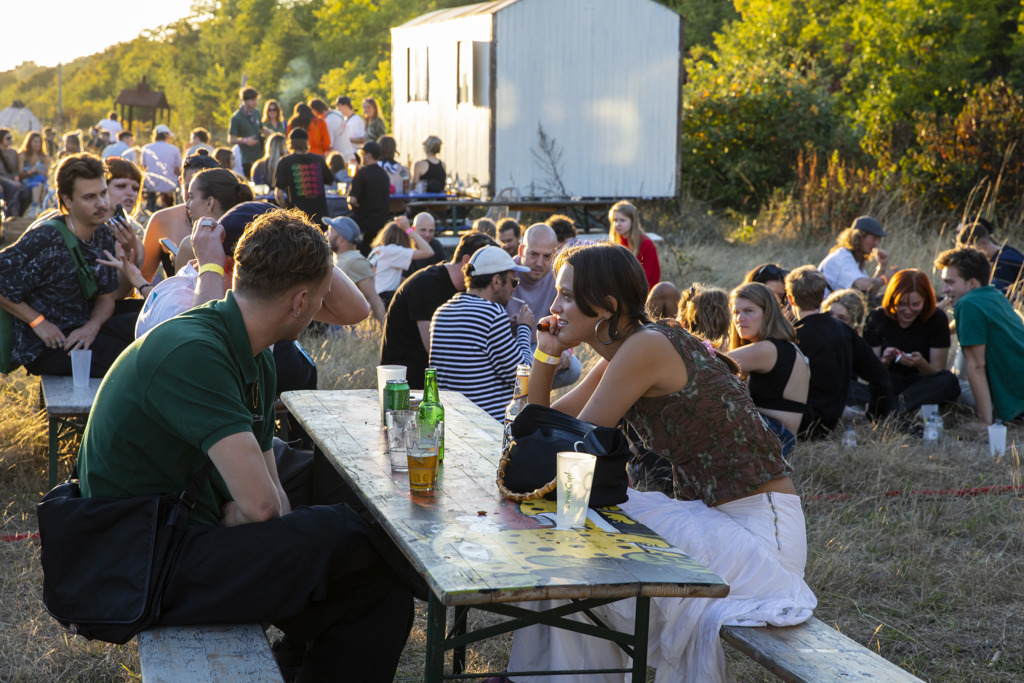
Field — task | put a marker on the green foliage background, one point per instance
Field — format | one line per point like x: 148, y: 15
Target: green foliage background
x: 922, y: 95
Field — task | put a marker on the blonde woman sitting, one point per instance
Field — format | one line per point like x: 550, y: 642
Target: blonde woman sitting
x: 763, y: 344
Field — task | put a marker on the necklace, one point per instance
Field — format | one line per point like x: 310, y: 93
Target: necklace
x: 75, y: 230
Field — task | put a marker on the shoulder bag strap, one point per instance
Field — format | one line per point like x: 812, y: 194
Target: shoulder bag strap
x: 86, y: 278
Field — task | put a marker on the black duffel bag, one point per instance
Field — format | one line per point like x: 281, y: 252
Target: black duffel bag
x: 528, y: 465
x: 106, y: 560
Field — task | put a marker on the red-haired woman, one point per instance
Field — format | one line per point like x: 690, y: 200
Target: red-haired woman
x: 911, y: 336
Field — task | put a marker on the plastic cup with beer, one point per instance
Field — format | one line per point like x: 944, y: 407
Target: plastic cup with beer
x: 421, y: 442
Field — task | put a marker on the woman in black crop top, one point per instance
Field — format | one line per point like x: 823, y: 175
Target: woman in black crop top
x: 762, y: 342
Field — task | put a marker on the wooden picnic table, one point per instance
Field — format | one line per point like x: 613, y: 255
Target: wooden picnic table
x: 477, y: 549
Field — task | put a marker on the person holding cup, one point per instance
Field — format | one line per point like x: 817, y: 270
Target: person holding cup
x: 734, y: 509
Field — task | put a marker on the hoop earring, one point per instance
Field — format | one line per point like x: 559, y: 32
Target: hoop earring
x: 598, y: 337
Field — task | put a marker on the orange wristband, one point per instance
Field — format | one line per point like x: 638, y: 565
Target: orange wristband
x: 35, y: 323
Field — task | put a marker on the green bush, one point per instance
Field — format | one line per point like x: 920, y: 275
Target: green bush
x: 744, y: 126
x: 981, y: 146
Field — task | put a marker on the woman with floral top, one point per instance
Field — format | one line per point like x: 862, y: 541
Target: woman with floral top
x: 735, y: 509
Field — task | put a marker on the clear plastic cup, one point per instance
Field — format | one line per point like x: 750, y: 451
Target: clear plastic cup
x: 81, y: 365
x: 421, y: 442
x: 996, y: 439
x: 399, y: 422
x: 575, y: 478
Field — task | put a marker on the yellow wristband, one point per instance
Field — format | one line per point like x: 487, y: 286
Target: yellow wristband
x: 545, y: 358
x: 207, y: 267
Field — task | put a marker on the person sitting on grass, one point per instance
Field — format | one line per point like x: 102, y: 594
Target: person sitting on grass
x: 911, y: 336
x: 990, y: 332
x: 663, y: 301
x: 704, y: 312
x: 1007, y: 262
x: 735, y: 509
x: 835, y: 354
x: 763, y: 343
x: 848, y: 306
x: 773, y: 276
x: 844, y: 265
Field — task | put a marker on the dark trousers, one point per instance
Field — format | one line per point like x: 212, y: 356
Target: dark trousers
x: 17, y: 197
x: 115, y: 335
x: 914, y: 391
x: 314, y: 573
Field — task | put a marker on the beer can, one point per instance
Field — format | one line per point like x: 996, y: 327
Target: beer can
x: 396, y: 395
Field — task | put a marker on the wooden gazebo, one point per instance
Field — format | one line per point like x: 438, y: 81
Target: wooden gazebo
x: 152, y: 104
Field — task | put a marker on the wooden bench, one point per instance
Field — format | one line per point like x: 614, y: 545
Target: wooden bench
x: 207, y: 654
x: 67, y: 407
x: 812, y: 652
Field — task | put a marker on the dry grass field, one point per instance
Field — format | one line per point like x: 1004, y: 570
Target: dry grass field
x: 914, y: 551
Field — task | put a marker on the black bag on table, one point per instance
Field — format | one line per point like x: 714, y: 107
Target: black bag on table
x: 528, y: 466
x: 106, y: 560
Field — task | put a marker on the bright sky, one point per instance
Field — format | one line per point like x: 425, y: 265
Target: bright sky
x: 54, y: 31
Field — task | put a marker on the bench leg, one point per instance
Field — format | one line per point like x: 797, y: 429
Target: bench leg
x: 54, y: 433
x: 437, y: 617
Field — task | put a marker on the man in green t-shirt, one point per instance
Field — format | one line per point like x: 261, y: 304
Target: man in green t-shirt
x: 990, y: 333
x: 200, y: 387
x: 246, y: 131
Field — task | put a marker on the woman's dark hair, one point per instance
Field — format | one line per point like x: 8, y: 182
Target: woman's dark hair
x: 765, y: 273
x: 388, y: 148
x: 902, y: 284
x: 224, y: 155
x: 302, y: 117
x: 223, y: 185
x: 607, y: 276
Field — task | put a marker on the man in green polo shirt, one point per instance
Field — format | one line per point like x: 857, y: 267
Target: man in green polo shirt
x: 200, y: 387
x: 246, y: 131
x: 990, y: 333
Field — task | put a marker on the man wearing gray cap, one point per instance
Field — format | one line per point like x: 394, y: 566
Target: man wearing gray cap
x: 343, y: 236
x: 471, y: 342
x: 844, y: 266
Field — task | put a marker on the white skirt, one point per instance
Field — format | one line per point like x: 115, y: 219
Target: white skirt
x: 757, y: 544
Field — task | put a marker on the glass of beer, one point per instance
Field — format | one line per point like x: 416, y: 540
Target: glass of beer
x: 421, y: 442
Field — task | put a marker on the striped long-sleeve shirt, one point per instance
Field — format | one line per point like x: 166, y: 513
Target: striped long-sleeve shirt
x: 475, y: 353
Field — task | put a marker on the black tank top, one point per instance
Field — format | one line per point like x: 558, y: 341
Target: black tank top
x: 435, y: 176
x: 766, y: 388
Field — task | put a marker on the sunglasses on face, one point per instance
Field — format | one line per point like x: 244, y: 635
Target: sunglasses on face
x: 515, y: 282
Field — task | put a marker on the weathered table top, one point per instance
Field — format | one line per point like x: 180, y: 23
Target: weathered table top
x: 474, y: 546
x: 64, y: 399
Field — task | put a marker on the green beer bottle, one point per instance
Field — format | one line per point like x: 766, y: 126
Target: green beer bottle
x: 431, y: 409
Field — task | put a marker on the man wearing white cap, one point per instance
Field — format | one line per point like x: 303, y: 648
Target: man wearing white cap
x: 472, y: 345
x: 343, y: 236
x: 162, y: 163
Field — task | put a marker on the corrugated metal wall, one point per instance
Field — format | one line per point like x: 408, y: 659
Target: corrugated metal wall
x: 464, y: 129
x: 602, y: 78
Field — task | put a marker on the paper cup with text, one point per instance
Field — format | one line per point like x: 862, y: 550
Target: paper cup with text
x: 575, y: 478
